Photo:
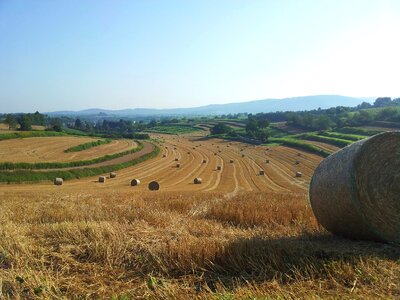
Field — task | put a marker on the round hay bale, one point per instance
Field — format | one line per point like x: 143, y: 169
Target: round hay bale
x: 176, y: 159
x: 113, y: 175
x: 267, y: 161
x: 188, y: 152
x: 297, y: 162
x: 197, y: 180
x: 102, y: 179
x: 231, y: 161
x: 135, y: 182
x: 243, y: 155
x: 219, y: 168
x: 194, y: 148
x: 262, y: 172
x: 58, y: 181
x: 178, y: 165
x: 299, y: 174
x: 215, y: 153
x: 299, y: 154
x: 164, y: 155
x: 154, y: 186
x: 355, y: 191
x: 204, y: 161
x: 219, y: 151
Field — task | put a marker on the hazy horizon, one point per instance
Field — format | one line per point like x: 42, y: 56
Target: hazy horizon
x: 74, y: 55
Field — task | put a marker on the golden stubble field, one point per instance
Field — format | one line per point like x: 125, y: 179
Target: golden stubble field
x: 237, y: 235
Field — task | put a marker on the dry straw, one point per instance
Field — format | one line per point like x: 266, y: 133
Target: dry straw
x: 58, y: 181
x: 262, y: 172
x: 102, y: 179
x: 355, y: 192
x: 113, y: 175
x: 135, y: 182
x: 154, y: 186
x: 299, y: 174
x: 197, y: 180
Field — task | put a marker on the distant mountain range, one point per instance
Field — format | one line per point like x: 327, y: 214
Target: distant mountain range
x: 266, y: 105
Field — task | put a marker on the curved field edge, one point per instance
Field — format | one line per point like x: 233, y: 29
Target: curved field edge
x: 300, y: 145
x: 22, y: 176
x: 87, y: 145
x: 58, y: 165
x: 71, y: 164
x: 28, y: 134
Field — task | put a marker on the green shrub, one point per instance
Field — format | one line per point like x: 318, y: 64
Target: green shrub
x: 88, y: 145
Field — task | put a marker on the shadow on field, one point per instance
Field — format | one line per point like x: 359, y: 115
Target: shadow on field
x: 291, y: 258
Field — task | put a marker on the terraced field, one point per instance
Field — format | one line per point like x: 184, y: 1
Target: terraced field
x: 197, y: 158
x: 237, y: 235
x: 51, y: 149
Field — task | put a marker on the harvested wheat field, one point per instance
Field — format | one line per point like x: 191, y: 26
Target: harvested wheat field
x: 51, y: 149
x: 236, y: 235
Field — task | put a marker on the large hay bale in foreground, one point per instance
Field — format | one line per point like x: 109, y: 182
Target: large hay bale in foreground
x: 58, y: 181
x: 154, y: 186
x: 197, y: 180
x: 135, y: 182
x: 113, y: 174
x: 355, y: 192
x: 102, y: 179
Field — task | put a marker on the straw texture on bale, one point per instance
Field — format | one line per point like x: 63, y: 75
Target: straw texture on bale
x: 154, y: 186
x: 262, y: 172
x: 58, y: 181
x: 299, y: 174
x: 113, y: 175
x: 102, y: 179
x: 197, y: 180
x: 355, y: 191
x: 135, y: 182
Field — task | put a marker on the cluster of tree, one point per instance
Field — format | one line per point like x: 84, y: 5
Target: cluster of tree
x: 25, y: 121
x: 257, y: 127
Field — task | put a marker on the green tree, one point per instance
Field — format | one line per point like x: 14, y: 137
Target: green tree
x: 220, y: 128
x: 11, y: 120
x: 56, y: 124
x: 25, y: 123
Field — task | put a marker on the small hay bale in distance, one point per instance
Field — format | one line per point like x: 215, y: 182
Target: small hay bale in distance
x: 299, y: 154
x: 58, y: 181
x: 231, y: 161
x: 219, y: 151
x: 178, y: 165
x: 262, y: 172
x: 355, y: 191
x: 299, y: 174
x: 243, y: 155
x: 135, y: 182
x: 176, y: 159
x: 164, y: 155
x: 113, y: 174
x: 102, y: 179
x: 219, y: 168
x: 154, y: 186
x: 267, y: 161
x: 197, y: 180
x: 204, y: 161
x: 188, y: 152
x: 297, y: 162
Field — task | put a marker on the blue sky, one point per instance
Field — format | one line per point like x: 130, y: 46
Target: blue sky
x: 58, y: 55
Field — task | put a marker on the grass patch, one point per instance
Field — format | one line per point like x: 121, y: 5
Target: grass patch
x: 28, y: 134
x: 325, y: 139
x: 299, y: 145
x: 71, y: 164
x: 359, y: 131
x: 174, y: 129
x: 342, y: 136
x: 88, y: 145
x: 21, y: 176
